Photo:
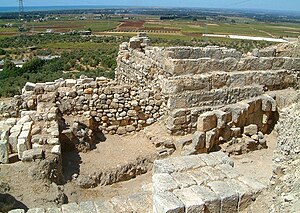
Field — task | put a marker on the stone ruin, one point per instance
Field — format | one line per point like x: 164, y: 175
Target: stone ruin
x: 209, y: 98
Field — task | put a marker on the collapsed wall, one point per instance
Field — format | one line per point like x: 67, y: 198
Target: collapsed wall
x: 199, y: 79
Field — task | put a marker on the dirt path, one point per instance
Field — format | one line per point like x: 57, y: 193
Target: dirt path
x: 258, y: 165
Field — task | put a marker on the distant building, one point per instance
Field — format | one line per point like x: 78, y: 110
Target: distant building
x: 49, y: 31
x: 19, y: 63
x: 85, y: 32
x: 48, y: 57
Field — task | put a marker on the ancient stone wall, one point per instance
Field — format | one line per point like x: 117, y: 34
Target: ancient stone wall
x: 114, y: 108
x: 198, y: 79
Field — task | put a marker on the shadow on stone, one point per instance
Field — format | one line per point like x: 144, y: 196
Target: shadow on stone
x: 8, y: 202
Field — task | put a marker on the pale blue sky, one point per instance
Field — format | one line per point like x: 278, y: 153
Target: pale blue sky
x: 251, y: 4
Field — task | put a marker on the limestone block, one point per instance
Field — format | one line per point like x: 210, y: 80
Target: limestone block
x: 4, y: 151
x: 222, y: 118
x: 121, y: 130
x: 236, y: 132
x: 70, y: 82
x: 21, y: 147
x: 253, y: 184
x: 209, y: 159
x: 251, y: 129
x: 87, y: 207
x: 10, y: 121
x: 268, y: 103
x: 245, y: 194
x: 36, y: 210
x: 228, y: 170
x: 104, y: 207
x: 163, y: 166
x: 29, y: 86
x: 228, y: 195
x: 213, y: 173
x: 13, y: 141
x: 70, y: 208
x: 187, y: 163
x: 198, y: 140
x: 141, y: 202
x: 32, y: 154
x: 191, y: 201
x: 56, y: 150
x: 207, y: 121
x: 121, y: 204
x: 163, y: 182
x: 16, y: 128
x: 183, y: 179
x: 24, y: 119
x: 53, y: 210
x: 212, y: 200
x: 4, y: 135
x: 53, y: 141
x: 211, y: 138
x: 200, y: 177
x: 167, y: 202
x: 222, y: 158
x: 17, y: 211
x: 27, y: 126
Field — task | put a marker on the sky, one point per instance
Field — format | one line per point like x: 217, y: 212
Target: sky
x: 229, y: 4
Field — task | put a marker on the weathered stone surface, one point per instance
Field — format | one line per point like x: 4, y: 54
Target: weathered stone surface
x: 251, y: 129
x: 36, y: 210
x: 167, y: 202
x: 104, y: 207
x: 32, y: 154
x: 191, y: 201
x: 70, y: 208
x: 212, y: 200
x: 53, y: 210
x: 163, y: 182
x: 87, y: 207
x: 21, y: 147
x: 207, y: 121
x: 228, y: 195
x: 4, y: 152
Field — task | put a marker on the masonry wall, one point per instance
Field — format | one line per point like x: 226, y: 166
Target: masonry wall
x: 197, y: 79
x: 115, y: 109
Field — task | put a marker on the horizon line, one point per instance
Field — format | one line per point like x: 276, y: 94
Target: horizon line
x: 132, y: 6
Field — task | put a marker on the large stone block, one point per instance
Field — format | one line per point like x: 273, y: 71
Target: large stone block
x: 167, y: 202
x: 211, y: 199
x: 70, y: 208
x: 228, y: 195
x: 22, y: 146
x: 207, y: 121
x: 4, y: 152
x: 32, y: 154
x: 104, y: 207
x: 251, y: 129
x: 87, y: 207
x: 198, y: 140
x: 13, y: 141
x: 163, y: 182
x: 36, y: 210
x: 183, y: 179
x: 192, y: 202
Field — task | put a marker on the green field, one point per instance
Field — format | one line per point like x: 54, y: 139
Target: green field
x: 180, y: 28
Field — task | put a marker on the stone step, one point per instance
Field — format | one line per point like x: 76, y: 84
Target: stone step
x: 201, y: 183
